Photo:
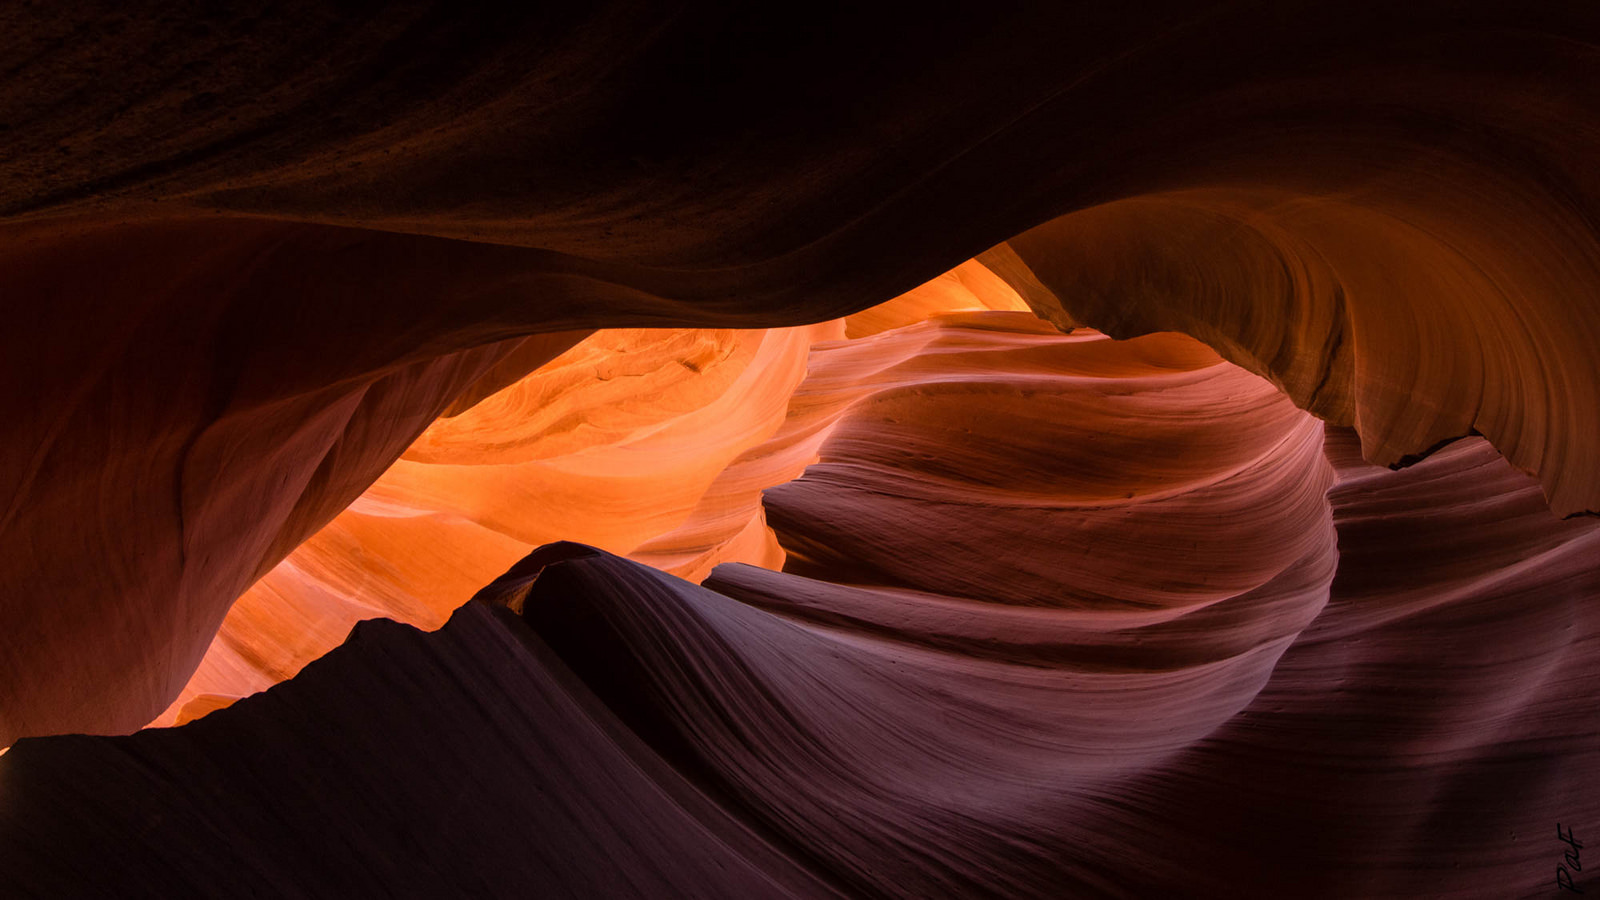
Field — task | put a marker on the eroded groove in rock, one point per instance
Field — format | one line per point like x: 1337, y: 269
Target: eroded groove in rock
x: 1054, y: 615
x: 1062, y: 459
x: 650, y: 443
x: 1372, y: 309
x: 1423, y: 711
x: 1440, y: 708
x: 822, y: 742
x: 157, y: 484
x: 219, y: 235
x: 467, y: 760
x: 613, y: 442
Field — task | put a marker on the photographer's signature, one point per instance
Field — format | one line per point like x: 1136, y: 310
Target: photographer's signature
x: 1571, y: 865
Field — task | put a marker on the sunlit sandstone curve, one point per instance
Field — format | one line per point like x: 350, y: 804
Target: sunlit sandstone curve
x: 1273, y: 668
x: 1414, y: 325
x: 628, y: 434
x: 1140, y: 427
x: 611, y: 442
x: 246, y: 260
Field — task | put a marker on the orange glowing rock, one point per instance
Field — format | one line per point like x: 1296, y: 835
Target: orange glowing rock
x: 614, y: 442
x: 648, y: 443
x: 1039, y: 590
x: 969, y: 286
x: 1373, y: 309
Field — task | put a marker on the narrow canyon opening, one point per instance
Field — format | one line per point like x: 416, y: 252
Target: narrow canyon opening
x: 624, y: 449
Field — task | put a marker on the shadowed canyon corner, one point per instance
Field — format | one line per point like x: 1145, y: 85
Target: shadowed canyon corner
x: 695, y: 450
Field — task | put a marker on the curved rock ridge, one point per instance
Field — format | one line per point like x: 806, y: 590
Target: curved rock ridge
x: 1412, y: 730
x: 1276, y: 177
x: 612, y: 442
x: 154, y: 485
x: 1010, y: 611
x: 248, y: 254
x: 465, y: 761
x: 1096, y: 677
x: 971, y: 286
x: 1415, y: 325
x: 729, y: 523
x: 617, y: 442
x: 1435, y: 723
x: 986, y: 368
x: 1063, y: 454
x: 664, y: 435
x: 620, y: 439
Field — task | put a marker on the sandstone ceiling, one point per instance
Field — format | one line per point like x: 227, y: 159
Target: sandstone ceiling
x: 928, y: 454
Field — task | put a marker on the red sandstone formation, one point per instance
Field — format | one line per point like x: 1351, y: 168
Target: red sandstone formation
x: 817, y: 738
x: 1055, y: 612
x: 215, y: 268
x: 624, y: 442
x: 613, y: 442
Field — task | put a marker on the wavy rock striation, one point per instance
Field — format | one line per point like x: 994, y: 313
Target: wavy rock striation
x: 737, y: 749
x: 249, y: 254
x: 1041, y: 612
x: 1130, y: 668
x: 649, y: 443
x: 613, y: 442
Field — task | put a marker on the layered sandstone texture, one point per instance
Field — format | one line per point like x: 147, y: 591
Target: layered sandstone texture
x: 651, y: 443
x: 925, y: 453
x: 1224, y: 657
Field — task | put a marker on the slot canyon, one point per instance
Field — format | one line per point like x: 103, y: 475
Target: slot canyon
x: 714, y: 450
